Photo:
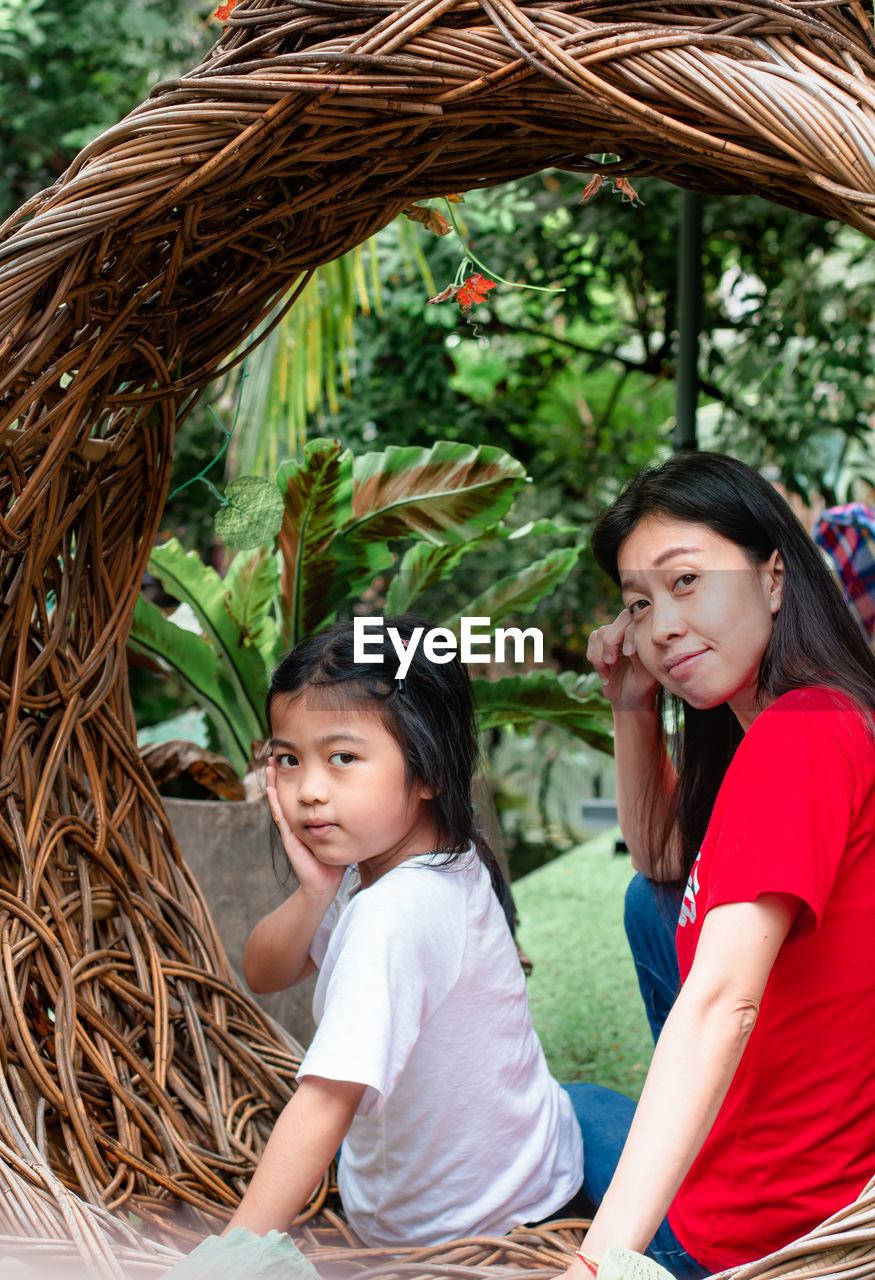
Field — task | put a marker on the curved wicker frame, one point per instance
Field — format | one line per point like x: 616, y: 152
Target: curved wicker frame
x: 137, y: 1076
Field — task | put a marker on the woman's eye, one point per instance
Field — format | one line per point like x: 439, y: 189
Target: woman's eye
x: 286, y: 760
x: 686, y: 579
x: 342, y: 757
x: 636, y: 606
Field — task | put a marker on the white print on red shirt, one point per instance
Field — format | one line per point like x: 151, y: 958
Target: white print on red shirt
x: 688, y: 906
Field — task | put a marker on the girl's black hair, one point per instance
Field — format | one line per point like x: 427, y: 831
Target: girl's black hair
x: 429, y: 713
x: 815, y: 640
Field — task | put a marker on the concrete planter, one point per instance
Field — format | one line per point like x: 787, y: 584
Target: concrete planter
x: 227, y: 846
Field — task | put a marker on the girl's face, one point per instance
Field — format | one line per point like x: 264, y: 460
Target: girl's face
x: 342, y: 786
x: 702, y: 613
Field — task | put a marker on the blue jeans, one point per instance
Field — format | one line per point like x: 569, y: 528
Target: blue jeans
x: 651, y: 918
x: 605, y: 1116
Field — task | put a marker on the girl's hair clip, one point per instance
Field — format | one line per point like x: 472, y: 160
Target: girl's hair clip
x: 400, y: 684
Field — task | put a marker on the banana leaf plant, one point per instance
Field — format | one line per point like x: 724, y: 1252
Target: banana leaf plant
x: 406, y: 518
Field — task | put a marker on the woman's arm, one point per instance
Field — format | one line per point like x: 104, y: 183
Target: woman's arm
x: 645, y: 776
x: 304, y: 1141
x: 646, y: 781
x: 693, y: 1064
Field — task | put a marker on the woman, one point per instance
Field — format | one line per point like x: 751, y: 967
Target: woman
x: 757, y: 1118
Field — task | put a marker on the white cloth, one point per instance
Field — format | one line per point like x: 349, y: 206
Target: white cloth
x: 461, y: 1130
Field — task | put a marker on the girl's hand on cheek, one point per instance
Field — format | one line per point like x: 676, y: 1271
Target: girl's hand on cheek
x: 627, y: 685
x: 318, y: 879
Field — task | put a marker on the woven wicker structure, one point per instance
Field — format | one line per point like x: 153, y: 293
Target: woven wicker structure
x: 137, y: 1077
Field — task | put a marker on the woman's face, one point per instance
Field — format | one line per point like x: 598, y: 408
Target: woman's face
x: 702, y: 614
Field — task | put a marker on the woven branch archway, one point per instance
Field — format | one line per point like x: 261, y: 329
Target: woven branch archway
x: 137, y: 1075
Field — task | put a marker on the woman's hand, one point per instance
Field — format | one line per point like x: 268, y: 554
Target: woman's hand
x: 317, y: 879
x: 695, y: 1059
x: 578, y: 1270
x: 646, y: 779
x: 626, y: 683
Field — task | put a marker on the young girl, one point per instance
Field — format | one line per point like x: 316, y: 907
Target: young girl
x: 425, y: 1064
x: 757, y: 1119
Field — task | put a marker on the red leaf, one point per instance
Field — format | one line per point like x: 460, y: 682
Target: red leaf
x: 473, y: 290
x: 224, y: 10
x: 430, y: 218
x: 627, y: 191
x: 621, y: 186
x: 592, y: 187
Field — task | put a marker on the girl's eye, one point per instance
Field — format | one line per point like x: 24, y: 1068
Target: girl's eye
x: 636, y: 606
x: 341, y: 757
x: 286, y: 760
x: 686, y: 580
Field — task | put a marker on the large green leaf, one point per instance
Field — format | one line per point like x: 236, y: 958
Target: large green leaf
x: 420, y: 567
x: 252, y: 587
x: 320, y: 568
x: 519, y: 592
x: 574, y: 702
x: 424, y: 564
x: 185, y: 577
x: 446, y: 495
x: 194, y: 663
x: 317, y: 494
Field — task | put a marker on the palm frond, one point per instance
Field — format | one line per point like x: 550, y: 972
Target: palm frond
x: 301, y: 363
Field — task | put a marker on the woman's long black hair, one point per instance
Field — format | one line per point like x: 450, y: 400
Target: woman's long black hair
x: 429, y: 713
x: 815, y: 640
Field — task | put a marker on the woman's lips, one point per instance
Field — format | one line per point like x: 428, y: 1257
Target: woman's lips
x: 678, y: 666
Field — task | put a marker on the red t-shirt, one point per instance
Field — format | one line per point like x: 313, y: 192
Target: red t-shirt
x: 795, y: 1138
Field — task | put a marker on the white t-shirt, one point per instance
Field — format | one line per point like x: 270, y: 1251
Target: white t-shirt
x: 461, y: 1130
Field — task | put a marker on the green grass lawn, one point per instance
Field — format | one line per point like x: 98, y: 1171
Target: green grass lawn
x: 583, y: 990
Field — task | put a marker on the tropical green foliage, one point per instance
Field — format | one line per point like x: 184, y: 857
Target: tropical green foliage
x: 68, y: 71
x: 309, y: 358
x: 389, y: 525
x: 579, y: 385
x: 796, y: 366
x: 341, y: 514
x: 224, y: 662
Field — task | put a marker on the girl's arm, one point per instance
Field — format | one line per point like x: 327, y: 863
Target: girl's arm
x: 304, y: 1141
x: 277, y: 951
x: 693, y: 1064
x: 645, y: 776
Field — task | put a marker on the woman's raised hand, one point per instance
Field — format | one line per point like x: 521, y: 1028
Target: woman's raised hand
x: 317, y: 879
x: 625, y: 682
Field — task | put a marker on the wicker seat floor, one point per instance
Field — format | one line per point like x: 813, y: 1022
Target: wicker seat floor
x: 539, y: 1251
x: 525, y: 1254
